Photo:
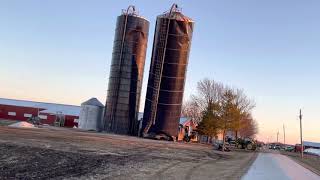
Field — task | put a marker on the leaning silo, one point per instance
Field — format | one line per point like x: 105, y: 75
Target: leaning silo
x: 126, y: 73
x: 91, y: 115
x: 171, y: 47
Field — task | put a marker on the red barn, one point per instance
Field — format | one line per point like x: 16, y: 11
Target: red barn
x: 21, y: 110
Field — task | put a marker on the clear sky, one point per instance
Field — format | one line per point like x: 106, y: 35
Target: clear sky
x: 60, y: 51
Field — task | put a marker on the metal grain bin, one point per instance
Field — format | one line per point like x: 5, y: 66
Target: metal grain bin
x: 171, y: 47
x: 126, y: 73
x: 91, y: 115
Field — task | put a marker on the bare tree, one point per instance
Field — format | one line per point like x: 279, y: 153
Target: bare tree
x: 219, y: 109
x: 191, y: 110
x: 244, y: 106
x: 249, y: 127
x: 208, y: 93
x: 205, y: 106
x: 229, y: 112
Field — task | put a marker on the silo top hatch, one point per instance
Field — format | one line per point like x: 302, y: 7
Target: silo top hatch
x: 131, y: 11
x: 175, y: 13
x: 93, y: 102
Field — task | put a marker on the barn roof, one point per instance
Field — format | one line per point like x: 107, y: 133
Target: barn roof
x: 13, y: 102
x: 183, y: 120
x: 63, y: 109
x: 51, y: 108
x: 311, y: 144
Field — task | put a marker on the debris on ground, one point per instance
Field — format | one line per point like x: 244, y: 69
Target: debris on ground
x: 22, y: 124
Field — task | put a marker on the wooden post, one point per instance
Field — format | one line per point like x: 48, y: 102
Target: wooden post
x: 223, y: 140
x: 284, y: 136
x: 302, y: 148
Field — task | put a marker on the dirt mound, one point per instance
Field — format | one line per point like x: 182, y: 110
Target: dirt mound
x: 22, y: 124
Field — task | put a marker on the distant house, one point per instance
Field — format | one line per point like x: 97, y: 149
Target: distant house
x: 230, y: 135
x: 49, y: 113
x: 187, y: 130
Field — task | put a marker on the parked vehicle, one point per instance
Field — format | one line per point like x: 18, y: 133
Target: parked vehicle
x: 277, y: 147
x: 271, y: 146
x: 297, y: 148
x: 246, y: 143
x: 289, y: 148
x: 217, y: 145
x: 35, y: 120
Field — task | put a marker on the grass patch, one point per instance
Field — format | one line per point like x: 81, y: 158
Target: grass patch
x: 4, y: 122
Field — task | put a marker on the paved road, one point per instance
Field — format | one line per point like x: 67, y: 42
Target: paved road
x: 276, y: 166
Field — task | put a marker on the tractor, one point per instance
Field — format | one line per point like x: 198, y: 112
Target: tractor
x: 246, y: 143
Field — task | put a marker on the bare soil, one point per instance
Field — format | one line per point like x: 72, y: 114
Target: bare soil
x: 59, y: 153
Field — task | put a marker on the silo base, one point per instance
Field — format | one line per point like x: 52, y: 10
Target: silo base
x: 160, y: 136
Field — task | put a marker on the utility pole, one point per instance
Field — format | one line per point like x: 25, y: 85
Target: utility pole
x: 278, y: 136
x: 300, y: 117
x: 284, y: 135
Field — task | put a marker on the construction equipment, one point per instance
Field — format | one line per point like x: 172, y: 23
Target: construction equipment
x: 246, y: 143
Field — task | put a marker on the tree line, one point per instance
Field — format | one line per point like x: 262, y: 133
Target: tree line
x: 218, y: 108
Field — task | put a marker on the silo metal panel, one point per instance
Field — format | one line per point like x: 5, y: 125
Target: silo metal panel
x: 126, y: 74
x: 172, y: 55
x: 91, y: 115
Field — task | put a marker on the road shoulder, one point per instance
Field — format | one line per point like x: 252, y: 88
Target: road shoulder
x: 310, y: 162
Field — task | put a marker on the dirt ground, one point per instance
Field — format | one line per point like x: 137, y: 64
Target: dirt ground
x: 311, y: 162
x: 58, y: 153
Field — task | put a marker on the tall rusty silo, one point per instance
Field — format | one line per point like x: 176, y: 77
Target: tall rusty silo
x: 126, y: 73
x: 171, y: 47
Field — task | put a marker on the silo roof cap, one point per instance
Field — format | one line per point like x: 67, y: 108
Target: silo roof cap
x: 176, y: 15
x: 93, y: 102
x: 131, y: 11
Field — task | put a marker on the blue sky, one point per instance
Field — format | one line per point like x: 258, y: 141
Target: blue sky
x: 60, y: 51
